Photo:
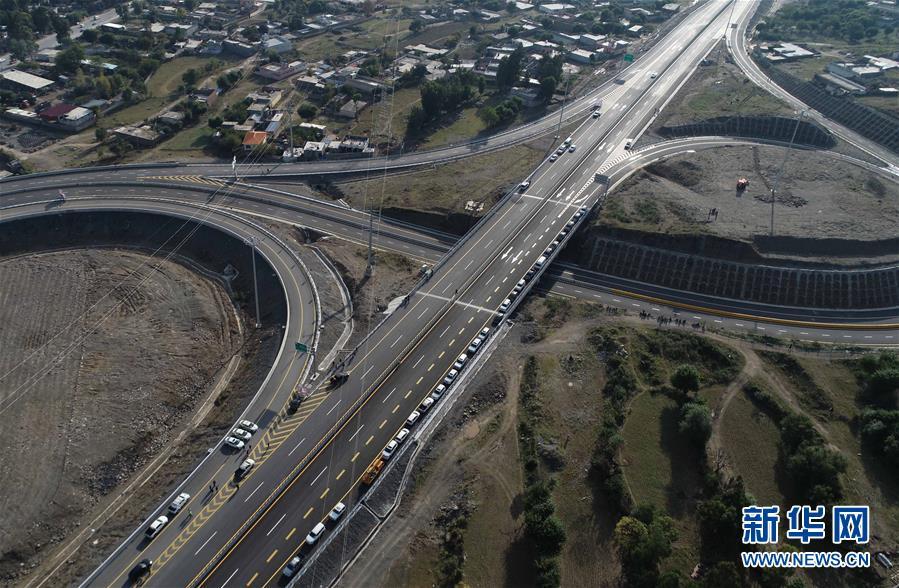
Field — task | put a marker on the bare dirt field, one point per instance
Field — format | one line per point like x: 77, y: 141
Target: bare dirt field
x: 820, y: 196
x: 85, y: 412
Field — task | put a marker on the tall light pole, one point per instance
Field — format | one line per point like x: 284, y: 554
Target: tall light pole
x: 782, y: 165
x: 252, y: 241
x: 562, y: 111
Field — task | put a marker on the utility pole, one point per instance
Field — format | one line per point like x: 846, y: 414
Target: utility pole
x: 562, y: 111
x: 252, y: 242
x: 782, y: 165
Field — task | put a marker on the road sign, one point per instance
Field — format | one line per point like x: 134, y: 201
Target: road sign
x: 629, y: 57
x: 301, y: 347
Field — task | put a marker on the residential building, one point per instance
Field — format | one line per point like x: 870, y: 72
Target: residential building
x: 20, y: 80
x: 280, y: 71
x: 253, y: 140
x: 77, y: 119
x: 143, y: 136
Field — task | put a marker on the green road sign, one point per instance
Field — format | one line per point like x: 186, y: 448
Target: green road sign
x: 628, y: 56
x: 302, y: 348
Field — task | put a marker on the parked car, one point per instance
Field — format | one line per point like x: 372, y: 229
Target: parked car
x: 401, y: 436
x: 412, y: 418
x: 553, y: 157
x: 474, y: 345
x: 337, y: 512
x: 248, y: 426
x: 438, y: 391
x: 389, y: 450
x: 293, y: 566
x: 157, y: 526
x: 460, y: 362
x: 315, y: 534
x: 425, y: 405
x: 244, y: 468
x: 234, y: 442
x: 140, y: 570
x: 179, y: 502
x: 241, y: 434
x: 504, y: 307
x: 450, y: 376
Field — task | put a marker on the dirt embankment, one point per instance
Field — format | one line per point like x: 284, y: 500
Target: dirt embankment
x: 104, y: 356
x: 820, y: 197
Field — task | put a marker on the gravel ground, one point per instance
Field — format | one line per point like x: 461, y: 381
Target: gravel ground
x: 162, y: 339
x: 819, y: 196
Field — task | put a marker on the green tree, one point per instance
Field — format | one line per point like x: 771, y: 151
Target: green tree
x: 547, y: 89
x: 416, y: 26
x: 685, y: 379
x: 69, y: 60
x: 509, y: 71
x: 307, y: 111
x: 696, y: 422
x: 190, y: 78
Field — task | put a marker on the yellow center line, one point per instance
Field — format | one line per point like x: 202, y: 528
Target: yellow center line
x: 308, y: 512
x: 407, y: 394
x: 451, y: 343
x: 289, y: 535
x: 382, y: 424
x: 325, y: 493
x: 357, y: 453
x: 395, y: 408
x: 342, y: 472
x: 462, y: 330
x: 256, y: 575
x: 442, y: 353
x: 370, y: 439
x: 430, y: 367
x: 417, y: 382
x: 274, y: 553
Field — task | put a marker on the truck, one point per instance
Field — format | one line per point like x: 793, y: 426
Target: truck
x: 373, y: 471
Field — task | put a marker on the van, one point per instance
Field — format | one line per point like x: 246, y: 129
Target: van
x: 316, y: 533
x: 568, y: 141
x: 540, y: 262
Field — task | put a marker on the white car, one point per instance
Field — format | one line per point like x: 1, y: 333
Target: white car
x: 401, y: 436
x: 568, y: 141
x: 292, y: 567
x: 248, y: 426
x: 157, y: 526
x: 560, y: 150
x: 595, y: 114
x: 241, y: 434
x: 337, y: 512
x: 450, y: 376
x: 520, y: 284
x: 549, y: 249
x: 523, y: 186
x: 504, y: 307
x: 389, y: 450
x: 234, y: 442
x: 425, y: 405
x: 460, y: 362
x: 244, y: 468
x: 653, y: 75
x: 315, y: 534
x: 484, y: 332
x: 475, y: 344
x: 569, y: 224
x: 572, y: 148
x: 438, y: 391
x: 553, y: 157
x: 179, y: 502
x: 515, y: 292
x: 412, y: 418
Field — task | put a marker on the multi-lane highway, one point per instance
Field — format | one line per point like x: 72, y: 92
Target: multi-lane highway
x: 243, y: 534
x: 410, y: 352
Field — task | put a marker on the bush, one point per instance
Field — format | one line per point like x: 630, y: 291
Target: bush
x: 696, y: 423
x: 307, y: 111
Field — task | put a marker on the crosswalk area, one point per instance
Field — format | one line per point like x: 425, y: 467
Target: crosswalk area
x: 187, y: 179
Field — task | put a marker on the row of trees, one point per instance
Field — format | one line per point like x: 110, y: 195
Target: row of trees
x: 542, y: 528
x: 848, y: 20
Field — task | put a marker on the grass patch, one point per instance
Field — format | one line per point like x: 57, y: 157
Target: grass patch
x: 446, y: 189
x: 811, y: 396
x: 756, y: 461
x: 466, y: 126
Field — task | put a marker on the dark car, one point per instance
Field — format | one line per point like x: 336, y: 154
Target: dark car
x: 138, y: 572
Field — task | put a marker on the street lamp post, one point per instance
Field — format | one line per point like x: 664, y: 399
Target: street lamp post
x: 252, y: 242
x: 562, y: 110
x: 783, y: 164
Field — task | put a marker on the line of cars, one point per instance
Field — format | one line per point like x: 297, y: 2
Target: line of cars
x: 296, y: 562
x: 237, y: 439
x: 541, y: 261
